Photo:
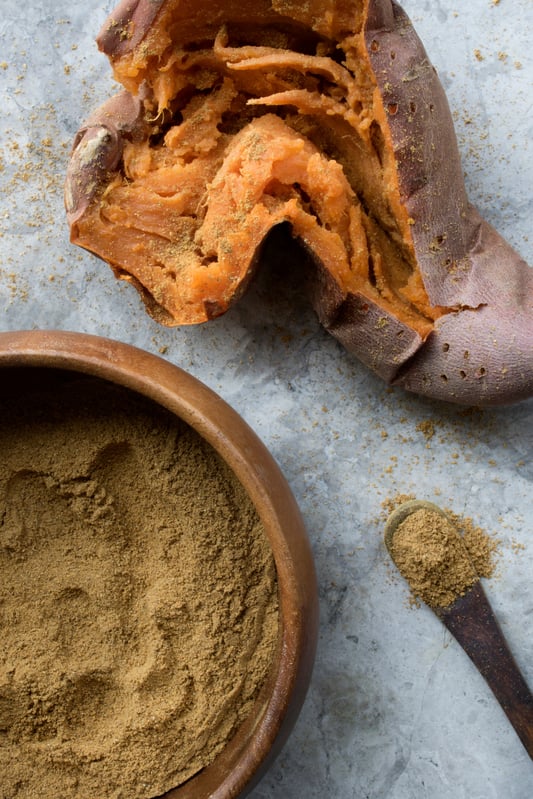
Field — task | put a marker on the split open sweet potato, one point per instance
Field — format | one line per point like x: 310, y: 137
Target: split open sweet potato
x: 237, y: 117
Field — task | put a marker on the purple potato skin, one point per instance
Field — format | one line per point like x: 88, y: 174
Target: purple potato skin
x: 127, y: 26
x: 480, y: 352
x: 97, y: 150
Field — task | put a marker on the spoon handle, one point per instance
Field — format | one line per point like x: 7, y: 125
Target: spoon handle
x: 472, y: 622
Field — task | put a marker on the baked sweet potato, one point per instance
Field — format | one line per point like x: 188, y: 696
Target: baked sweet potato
x: 327, y: 115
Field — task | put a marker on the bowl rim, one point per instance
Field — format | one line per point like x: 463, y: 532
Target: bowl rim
x: 249, y: 754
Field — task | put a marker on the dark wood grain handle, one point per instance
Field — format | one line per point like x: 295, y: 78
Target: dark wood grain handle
x: 472, y: 622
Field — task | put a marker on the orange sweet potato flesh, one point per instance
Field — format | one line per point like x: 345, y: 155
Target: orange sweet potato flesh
x: 238, y: 117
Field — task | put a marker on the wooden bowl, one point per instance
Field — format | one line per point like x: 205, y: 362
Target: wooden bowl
x: 251, y: 751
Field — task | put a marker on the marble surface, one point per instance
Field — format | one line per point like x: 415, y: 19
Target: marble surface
x: 395, y: 709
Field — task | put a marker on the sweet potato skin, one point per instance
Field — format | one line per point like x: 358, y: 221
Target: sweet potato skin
x: 127, y: 25
x: 479, y: 351
x: 482, y: 356
x: 97, y: 151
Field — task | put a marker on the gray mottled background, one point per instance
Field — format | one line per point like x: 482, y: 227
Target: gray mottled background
x: 395, y: 709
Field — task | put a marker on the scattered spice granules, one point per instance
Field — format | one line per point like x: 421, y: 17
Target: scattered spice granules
x: 438, y: 562
x: 138, y: 594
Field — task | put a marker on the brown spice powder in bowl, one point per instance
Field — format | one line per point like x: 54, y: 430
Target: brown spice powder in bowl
x: 139, y: 598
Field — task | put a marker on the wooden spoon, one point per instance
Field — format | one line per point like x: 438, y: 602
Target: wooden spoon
x: 471, y: 621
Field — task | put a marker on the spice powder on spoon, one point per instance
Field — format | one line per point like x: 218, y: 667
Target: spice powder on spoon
x: 138, y: 594
x: 439, y: 564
